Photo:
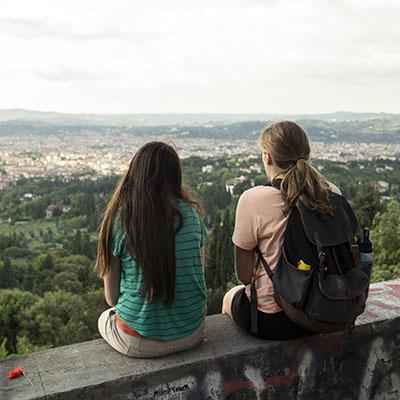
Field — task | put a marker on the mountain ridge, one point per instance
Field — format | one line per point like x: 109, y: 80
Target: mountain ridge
x: 20, y: 115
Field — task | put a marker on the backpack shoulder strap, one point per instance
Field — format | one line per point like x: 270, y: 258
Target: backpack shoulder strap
x: 253, y: 291
x: 351, y: 226
x: 253, y: 304
x: 263, y: 262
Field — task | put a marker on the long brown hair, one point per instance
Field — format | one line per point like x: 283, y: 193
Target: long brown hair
x: 146, y: 199
x: 289, y: 148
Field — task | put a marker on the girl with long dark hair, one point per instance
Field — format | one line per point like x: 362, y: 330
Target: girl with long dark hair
x: 261, y: 219
x: 151, y: 257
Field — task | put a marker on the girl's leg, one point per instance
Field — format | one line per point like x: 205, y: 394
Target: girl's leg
x: 227, y: 301
x: 157, y: 348
x: 138, y: 347
x: 109, y: 331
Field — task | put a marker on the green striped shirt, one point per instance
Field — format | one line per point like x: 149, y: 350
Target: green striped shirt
x: 155, y: 320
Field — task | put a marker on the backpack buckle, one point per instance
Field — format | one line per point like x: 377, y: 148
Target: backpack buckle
x: 322, y: 259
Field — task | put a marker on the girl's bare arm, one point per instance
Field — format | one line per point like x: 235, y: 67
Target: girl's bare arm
x: 112, y: 281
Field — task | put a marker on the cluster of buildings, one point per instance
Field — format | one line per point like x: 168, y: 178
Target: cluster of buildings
x: 347, y: 151
x: 89, y: 154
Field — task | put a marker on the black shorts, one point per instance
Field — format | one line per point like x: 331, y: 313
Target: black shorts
x: 276, y: 326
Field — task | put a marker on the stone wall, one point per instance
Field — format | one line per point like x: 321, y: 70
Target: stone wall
x: 229, y: 364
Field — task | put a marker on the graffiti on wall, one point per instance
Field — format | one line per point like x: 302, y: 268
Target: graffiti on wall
x: 364, y: 364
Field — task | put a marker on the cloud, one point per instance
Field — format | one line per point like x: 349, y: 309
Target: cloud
x: 62, y: 74
x: 35, y: 28
x: 235, y: 55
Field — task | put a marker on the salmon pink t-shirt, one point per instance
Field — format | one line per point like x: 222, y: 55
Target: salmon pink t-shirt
x: 260, y: 221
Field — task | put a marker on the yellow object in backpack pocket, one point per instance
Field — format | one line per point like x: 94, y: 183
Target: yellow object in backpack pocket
x: 303, y: 266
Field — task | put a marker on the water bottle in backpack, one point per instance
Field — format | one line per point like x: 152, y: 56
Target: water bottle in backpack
x: 366, y: 250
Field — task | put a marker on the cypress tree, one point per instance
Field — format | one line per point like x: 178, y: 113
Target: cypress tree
x: 366, y: 205
x: 7, y: 275
x: 76, y: 246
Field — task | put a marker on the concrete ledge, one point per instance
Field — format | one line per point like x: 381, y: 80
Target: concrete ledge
x: 230, y: 364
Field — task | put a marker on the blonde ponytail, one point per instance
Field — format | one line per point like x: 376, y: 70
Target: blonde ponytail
x: 288, y: 146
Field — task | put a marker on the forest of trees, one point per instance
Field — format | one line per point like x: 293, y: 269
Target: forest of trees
x: 49, y: 294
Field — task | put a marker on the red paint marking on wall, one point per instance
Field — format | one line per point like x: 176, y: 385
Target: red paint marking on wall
x: 334, y: 344
x: 281, y: 379
x: 383, y: 305
x: 270, y: 381
x: 369, y: 313
x: 395, y: 293
x: 234, y: 386
x: 395, y: 290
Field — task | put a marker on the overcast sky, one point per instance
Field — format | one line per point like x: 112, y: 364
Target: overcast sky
x: 240, y: 56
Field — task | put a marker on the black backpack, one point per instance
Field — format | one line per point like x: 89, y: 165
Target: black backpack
x: 329, y: 290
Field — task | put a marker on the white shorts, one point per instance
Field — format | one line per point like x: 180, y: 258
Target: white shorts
x: 140, y: 347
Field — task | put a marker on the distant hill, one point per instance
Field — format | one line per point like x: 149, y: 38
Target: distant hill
x: 21, y: 116
x: 336, y: 127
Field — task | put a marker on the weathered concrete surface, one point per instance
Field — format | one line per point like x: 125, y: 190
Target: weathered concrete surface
x: 230, y: 364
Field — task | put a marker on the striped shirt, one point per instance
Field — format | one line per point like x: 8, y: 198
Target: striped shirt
x: 184, y: 316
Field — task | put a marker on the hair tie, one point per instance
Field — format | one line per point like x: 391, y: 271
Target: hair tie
x: 294, y: 162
